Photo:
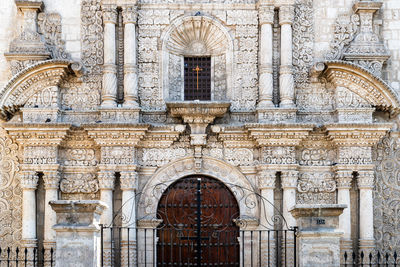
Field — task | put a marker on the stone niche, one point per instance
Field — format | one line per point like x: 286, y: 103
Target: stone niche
x: 195, y: 36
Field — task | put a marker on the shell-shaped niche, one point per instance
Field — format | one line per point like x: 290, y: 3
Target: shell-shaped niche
x: 197, y: 36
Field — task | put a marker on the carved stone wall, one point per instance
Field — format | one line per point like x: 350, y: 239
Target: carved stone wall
x: 10, y: 192
x: 387, y: 193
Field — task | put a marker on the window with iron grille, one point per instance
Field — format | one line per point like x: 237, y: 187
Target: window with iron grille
x: 198, y: 78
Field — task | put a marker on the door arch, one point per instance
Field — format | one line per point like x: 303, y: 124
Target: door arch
x: 198, y: 227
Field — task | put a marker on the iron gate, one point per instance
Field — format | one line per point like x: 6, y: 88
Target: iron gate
x: 199, y: 218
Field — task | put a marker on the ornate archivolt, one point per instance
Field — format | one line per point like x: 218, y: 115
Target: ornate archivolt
x: 229, y: 175
x: 38, y: 81
x: 196, y: 36
x: 362, y: 83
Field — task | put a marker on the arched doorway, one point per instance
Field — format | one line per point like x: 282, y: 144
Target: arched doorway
x: 198, y: 227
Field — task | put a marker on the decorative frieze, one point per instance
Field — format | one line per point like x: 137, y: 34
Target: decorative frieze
x: 316, y: 188
x: 319, y: 156
x: 355, y: 155
x: 161, y: 156
x: 239, y: 156
x: 279, y: 155
x: 117, y: 155
x: 73, y: 183
x: 39, y: 155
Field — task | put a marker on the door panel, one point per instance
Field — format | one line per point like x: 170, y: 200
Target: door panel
x: 198, y: 227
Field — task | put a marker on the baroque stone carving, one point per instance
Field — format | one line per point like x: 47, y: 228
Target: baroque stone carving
x: 387, y: 194
x: 50, y: 27
x: 321, y: 156
x: 279, y: 155
x: 355, y: 155
x: 73, y: 183
x: 316, y: 188
x: 79, y: 96
x: 345, y: 29
x: 117, y: 155
x: 79, y: 157
x: 40, y: 155
x: 160, y: 156
x: 239, y: 156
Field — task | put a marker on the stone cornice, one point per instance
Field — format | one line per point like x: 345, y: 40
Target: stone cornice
x: 162, y: 136
x: 233, y: 136
x: 116, y: 134
x: 279, y: 134
x: 354, y: 134
x: 39, y: 134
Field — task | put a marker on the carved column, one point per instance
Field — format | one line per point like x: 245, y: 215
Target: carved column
x: 109, y: 95
x: 343, y: 185
x: 286, y: 82
x: 266, y: 15
x: 51, y: 183
x: 266, y: 184
x: 365, y: 182
x: 128, y: 186
x: 129, y: 14
x: 29, y: 181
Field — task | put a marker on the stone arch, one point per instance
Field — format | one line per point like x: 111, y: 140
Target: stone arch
x: 42, y: 78
x: 196, y: 36
x: 229, y: 175
x: 361, y: 82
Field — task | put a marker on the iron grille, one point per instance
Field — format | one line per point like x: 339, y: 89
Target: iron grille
x: 197, y: 78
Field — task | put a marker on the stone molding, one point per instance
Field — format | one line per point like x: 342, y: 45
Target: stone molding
x: 344, y: 179
x: 286, y: 14
x: 166, y: 175
x: 51, y: 180
x: 128, y: 180
x: 266, y: 179
x: 266, y: 15
x: 366, y: 179
x: 29, y: 180
x: 129, y: 14
x: 109, y: 14
x: 289, y: 179
x: 106, y: 180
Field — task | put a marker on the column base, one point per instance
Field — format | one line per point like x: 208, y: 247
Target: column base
x: 109, y: 104
x: 287, y: 104
x: 130, y: 104
x: 346, y: 246
x: 366, y: 246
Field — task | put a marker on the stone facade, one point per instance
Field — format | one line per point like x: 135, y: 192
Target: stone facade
x: 301, y: 90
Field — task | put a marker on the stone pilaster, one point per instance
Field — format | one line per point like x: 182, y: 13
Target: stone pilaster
x: 109, y: 94
x: 266, y: 20
x: 266, y: 184
x: 286, y: 81
x: 106, y: 186
x: 128, y: 182
x: 129, y: 14
x: 29, y: 181
x: 289, y: 185
x: 365, y: 181
x: 51, y: 184
x: 343, y: 185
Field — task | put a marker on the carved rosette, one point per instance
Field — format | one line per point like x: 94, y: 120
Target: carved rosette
x: 365, y: 179
x: 106, y: 180
x: 128, y: 180
x: 29, y: 180
x: 266, y: 179
x: 51, y: 179
x: 289, y: 179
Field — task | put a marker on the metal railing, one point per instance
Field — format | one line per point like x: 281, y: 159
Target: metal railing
x: 126, y: 247
x: 26, y: 257
x: 374, y: 258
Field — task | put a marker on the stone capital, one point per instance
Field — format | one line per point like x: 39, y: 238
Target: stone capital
x: 289, y: 179
x: 128, y: 180
x: 266, y: 179
x: 266, y: 14
x: 365, y: 179
x: 286, y: 15
x: 106, y: 180
x: 109, y: 14
x: 129, y: 14
x: 29, y: 180
x: 343, y: 179
x: 51, y: 179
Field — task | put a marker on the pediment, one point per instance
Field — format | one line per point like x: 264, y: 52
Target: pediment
x: 362, y: 83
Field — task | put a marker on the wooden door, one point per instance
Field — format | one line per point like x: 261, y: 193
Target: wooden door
x: 198, y: 227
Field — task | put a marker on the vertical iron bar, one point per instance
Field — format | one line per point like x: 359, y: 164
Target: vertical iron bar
x: 112, y: 244
x: 259, y: 248
x: 101, y: 245
x: 242, y: 248
x: 51, y: 257
x: 129, y: 258
x: 285, y: 248
x: 145, y: 247
x: 119, y: 244
x: 8, y: 256
x: 0, y: 256
x: 295, y: 246
x: 251, y: 248
x: 154, y: 247
x: 34, y: 257
x: 16, y: 256
x: 26, y: 256
x: 269, y: 257
x: 162, y: 246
